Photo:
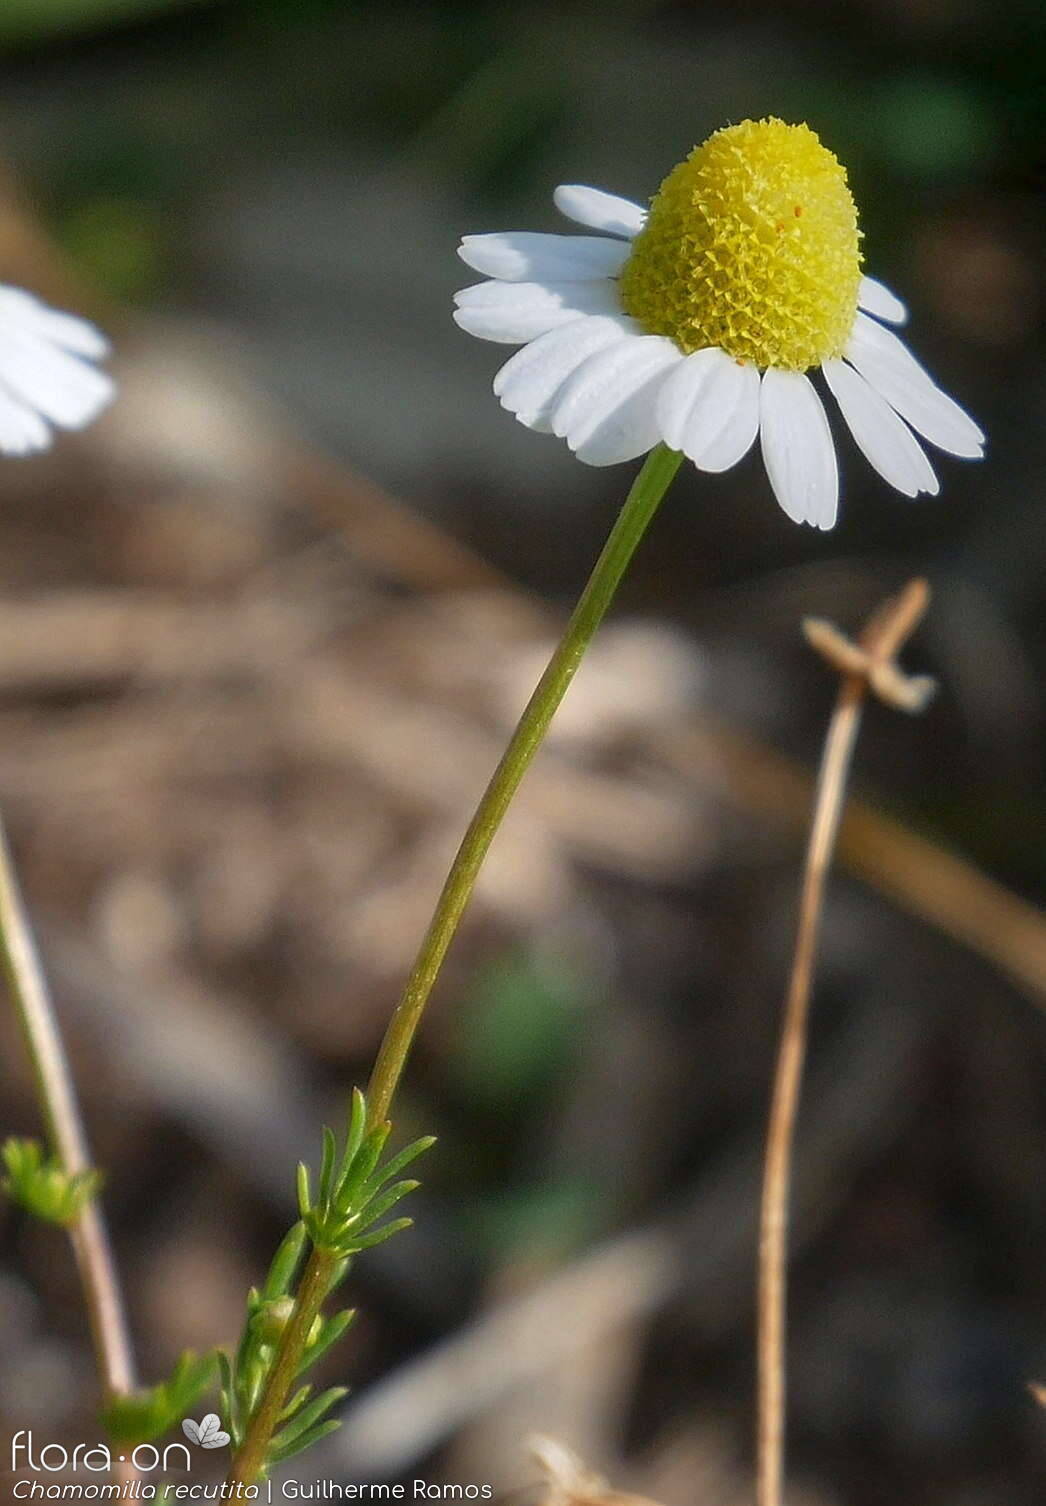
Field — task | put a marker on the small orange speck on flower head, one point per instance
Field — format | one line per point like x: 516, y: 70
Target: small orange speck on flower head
x: 714, y: 264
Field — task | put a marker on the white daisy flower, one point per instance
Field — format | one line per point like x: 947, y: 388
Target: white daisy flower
x: 695, y: 324
x: 46, y: 376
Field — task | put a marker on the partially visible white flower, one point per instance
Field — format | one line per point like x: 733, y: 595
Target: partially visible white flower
x: 46, y: 377
x: 695, y: 325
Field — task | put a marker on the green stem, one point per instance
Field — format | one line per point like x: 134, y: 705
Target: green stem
x: 642, y: 502
x: 640, y: 505
x: 312, y: 1291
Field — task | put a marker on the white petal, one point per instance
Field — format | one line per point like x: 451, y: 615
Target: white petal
x: 57, y: 384
x: 513, y: 312
x: 709, y: 409
x: 529, y: 383
x: 885, y: 440
x: 599, y: 210
x: 797, y: 448
x: 21, y: 430
x: 737, y: 435
x: 17, y: 307
x: 687, y: 385
x: 525, y: 256
x: 607, y: 411
x: 878, y: 300
x: 888, y: 364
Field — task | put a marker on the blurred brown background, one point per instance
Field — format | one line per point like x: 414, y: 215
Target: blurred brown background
x: 263, y: 632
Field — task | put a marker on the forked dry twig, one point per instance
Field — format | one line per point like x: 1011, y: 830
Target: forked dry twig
x: 867, y: 664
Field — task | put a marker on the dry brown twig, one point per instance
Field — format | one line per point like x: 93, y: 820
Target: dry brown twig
x: 868, y: 664
x: 87, y: 1231
x: 861, y: 1092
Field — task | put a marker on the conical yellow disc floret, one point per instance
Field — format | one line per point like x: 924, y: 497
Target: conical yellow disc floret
x: 751, y: 244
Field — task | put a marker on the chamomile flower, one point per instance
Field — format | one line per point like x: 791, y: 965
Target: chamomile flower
x: 47, y: 379
x: 697, y: 324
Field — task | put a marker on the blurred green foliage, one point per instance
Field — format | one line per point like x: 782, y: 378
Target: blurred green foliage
x: 517, y: 1032
x: 28, y: 20
x: 120, y: 244
x: 933, y: 125
x: 550, y: 1219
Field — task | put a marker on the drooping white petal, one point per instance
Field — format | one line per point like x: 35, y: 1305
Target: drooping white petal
x: 607, y: 411
x: 797, y: 448
x: 511, y: 313
x: 599, y: 210
x: 629, y: 431
x: 709, y: 409
x: 737, y: 435
x: 883, y: 438
x: 530, y: 382
x: 45, y: 372
x: 888, y: 364
x: 21, y: 309
x: 878, y: 300
x: 685, y: 388
x: 526, y: 256
x: 60, y: 386
x: 21, y: 430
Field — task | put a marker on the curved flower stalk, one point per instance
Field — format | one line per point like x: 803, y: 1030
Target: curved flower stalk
x: 350, y: 1200
x: 687, y: 330
x: 699, y: 322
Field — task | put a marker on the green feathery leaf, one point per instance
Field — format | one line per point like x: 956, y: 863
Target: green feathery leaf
x: 145, y: 1415
x: 307, y: 1418
x: 41, y: 1185
x: 301, y: 1444
x: 285, y: 1264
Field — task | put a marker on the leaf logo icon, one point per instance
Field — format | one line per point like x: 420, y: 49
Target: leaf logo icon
x: 206, y: 1434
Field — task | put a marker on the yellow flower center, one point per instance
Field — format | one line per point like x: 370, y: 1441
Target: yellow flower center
x: 751, y: 244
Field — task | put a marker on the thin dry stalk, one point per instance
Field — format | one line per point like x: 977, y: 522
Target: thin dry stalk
x: 58, y: 1101
x: 869, y: 663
